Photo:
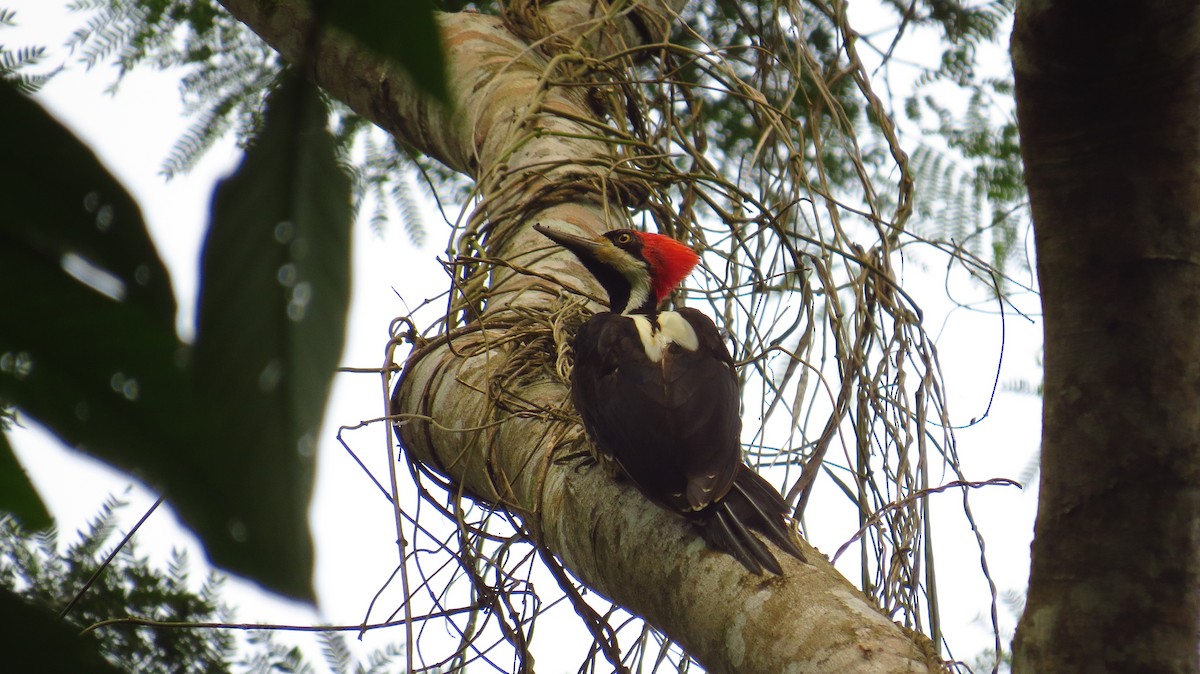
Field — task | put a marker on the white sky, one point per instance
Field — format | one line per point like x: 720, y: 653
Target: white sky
x: 353, y: 526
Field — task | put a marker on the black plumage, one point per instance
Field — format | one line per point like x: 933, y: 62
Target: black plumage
x: 662, y: 401
x: 676, y: 418
x: 674, y: 429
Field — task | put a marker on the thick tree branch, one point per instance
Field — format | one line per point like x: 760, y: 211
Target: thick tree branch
x: 487, y: 409
x: 811, y: 619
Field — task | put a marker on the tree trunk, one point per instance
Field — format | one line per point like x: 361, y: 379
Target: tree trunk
x: 1108, y: 100
x: 485, y: 405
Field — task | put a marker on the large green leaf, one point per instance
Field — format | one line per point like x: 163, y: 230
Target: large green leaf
x: 61, y: 203
x: 87, y: 337
x: 88, y: 346
x: 17, y: 494
x: 275, y: 286
x: 35, y: 641
x: 404, y: 32
x: 102, y: 374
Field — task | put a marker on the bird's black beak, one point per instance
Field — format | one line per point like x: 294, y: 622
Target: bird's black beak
x: 610, y: 265
x: 583, y: 247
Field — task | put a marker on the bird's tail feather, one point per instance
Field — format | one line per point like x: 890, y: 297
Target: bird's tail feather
x: 770, y: 511
x: 725, y: 532
x: 752, y: 504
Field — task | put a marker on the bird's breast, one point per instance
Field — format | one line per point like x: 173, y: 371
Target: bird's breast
x: 667, y: 328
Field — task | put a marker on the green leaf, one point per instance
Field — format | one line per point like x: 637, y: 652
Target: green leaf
x: 102, y: 374
x: 17, y: 495
x: 60, y: 202
x: 87, y: 337
x: 273, y: 299
x: 91, y: 352
x: 403, y: 32
x: 42, y: 643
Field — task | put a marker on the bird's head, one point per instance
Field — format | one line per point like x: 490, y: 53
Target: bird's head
x: 637, y: 269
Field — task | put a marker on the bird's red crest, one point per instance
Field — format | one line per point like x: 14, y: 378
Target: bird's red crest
x: 671, y: 261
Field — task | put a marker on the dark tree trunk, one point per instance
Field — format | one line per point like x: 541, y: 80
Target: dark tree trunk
x: 1108, y: 99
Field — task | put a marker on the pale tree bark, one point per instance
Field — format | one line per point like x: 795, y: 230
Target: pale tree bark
x: 1108, y: 98
x: 487, y: 407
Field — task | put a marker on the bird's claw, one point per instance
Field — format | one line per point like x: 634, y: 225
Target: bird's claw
x: 585, y: 458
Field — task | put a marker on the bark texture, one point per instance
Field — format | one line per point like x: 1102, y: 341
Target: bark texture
x: 487, y: 405
x: 1108, y: 97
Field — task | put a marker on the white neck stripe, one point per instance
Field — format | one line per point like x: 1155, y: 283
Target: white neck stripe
x: 639, y: 292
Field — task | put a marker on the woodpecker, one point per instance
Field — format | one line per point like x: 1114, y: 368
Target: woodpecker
x: 659, y: 397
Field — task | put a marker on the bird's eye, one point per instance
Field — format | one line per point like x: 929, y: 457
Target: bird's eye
x: 624, y: 238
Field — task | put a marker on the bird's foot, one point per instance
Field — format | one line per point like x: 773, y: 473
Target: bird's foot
x: 584, y: 457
